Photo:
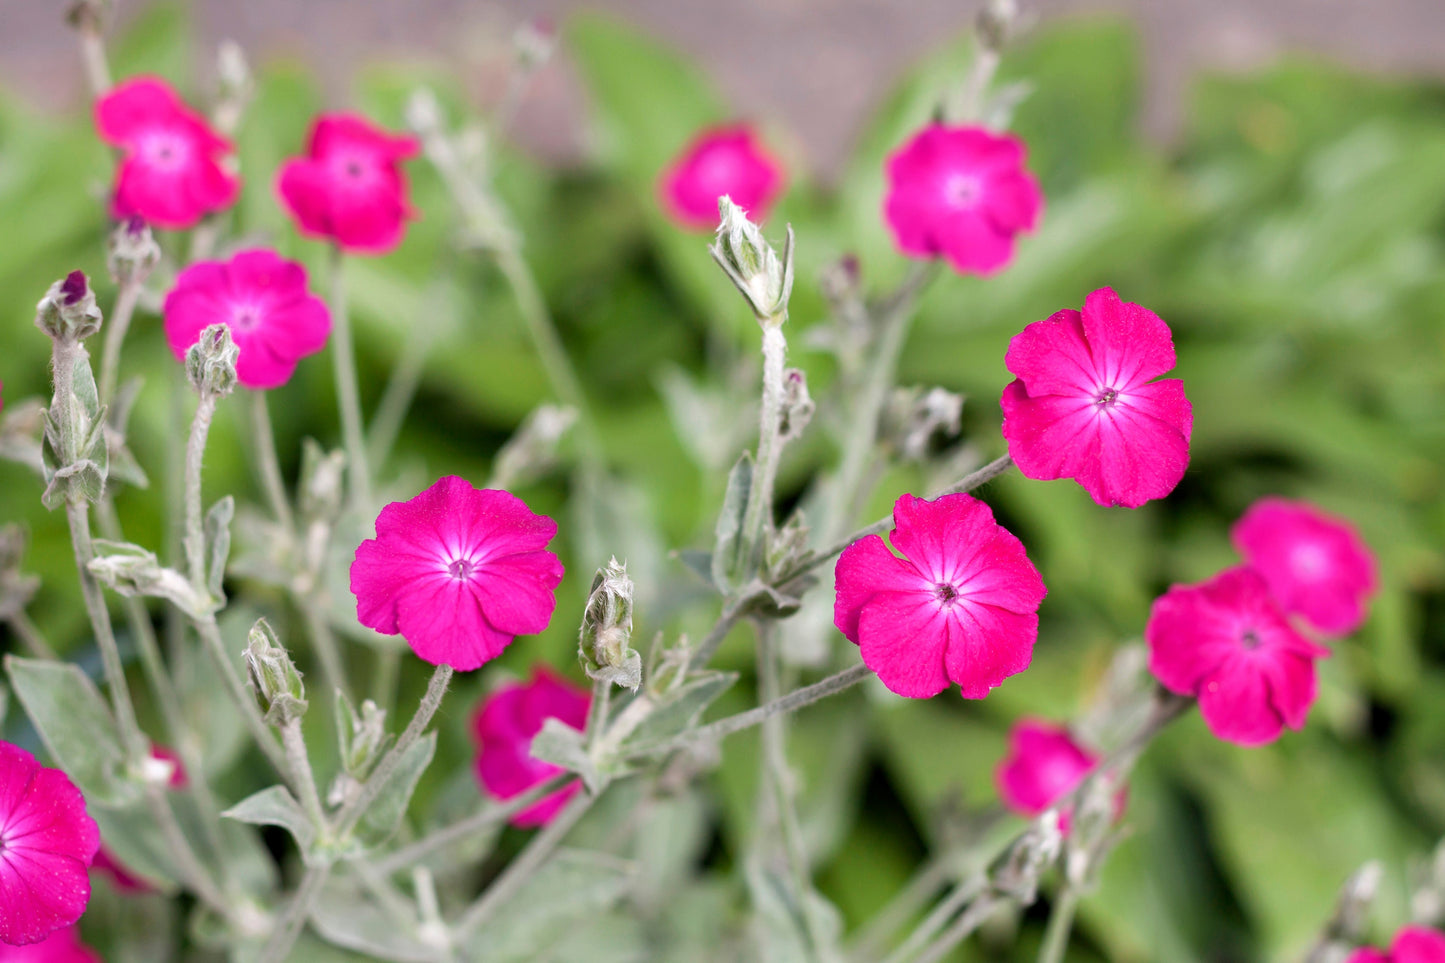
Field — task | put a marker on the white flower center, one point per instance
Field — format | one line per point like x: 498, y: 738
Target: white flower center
x: 165, y: 150
x: 1308, y: 560
x: 245, y: 317
x: 962, y: 190
x: 461, y: 569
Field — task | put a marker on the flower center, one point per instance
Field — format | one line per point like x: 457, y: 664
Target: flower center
x: 246, y: 318
x: 1251, y: 640
x: 1308, y: 561
x: 1107, y: 397
x: 945, y: 593
x: 165, y: 150
x: 962, y: 190
x: 354, y: 170
x: 461, y: 569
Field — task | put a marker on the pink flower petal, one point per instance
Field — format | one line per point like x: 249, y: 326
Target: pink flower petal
x: 987, y: 645
x: 1051, y: 436
x: 1043, y: 765
x: 865, y: 568
x: 505, y: 726
x: 442, y: 620
x: 904, y: 637
x: 972, y: 244
x: 1235, y: 702
x: 1052, y: 357
x: 1418, y: 944
x: 1130, y: 344
x: 517, y: 591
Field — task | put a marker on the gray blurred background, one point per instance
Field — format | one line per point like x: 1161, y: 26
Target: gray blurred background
x: 815, y: 67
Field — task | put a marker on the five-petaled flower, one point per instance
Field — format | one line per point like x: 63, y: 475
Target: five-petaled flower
x: 504, y: 727
x: 1316, y: 565
x: 963, y: 193
x: 62, y: 946
x: 350, y: 188
x: 1413, y: 944
x: 1043, y: 765
x: 1226, y: 642
x: 960, y: 606
x: 262, y: 298
x: 47, y: 843
x: 726, y: 160
x: 1083, y: 405
x: 170, y: 171
x: 458, y: 572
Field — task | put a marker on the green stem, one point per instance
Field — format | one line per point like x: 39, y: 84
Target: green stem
x: 343, y: 356
x: 519, y: 870
x: 436, y: 690
x: 324, y: 641
x: 758, y: 514
x: 973, y: 917
x: 302, y: 777
x: 794, y: 700
x: 194, y: 539
x: 116, y: 326
x: 268, y: 464
x: 959, y: 897
x: 400, y: 391
x: 705, y: 650
x: 1061, y: 922
x: 245, y: 702
x: 468, y: 827
x: 283, y: 938
x: 92, y: 47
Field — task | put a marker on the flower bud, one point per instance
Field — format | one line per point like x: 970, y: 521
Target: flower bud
x: 273, y: 677
x: 211, y: 362
x: 797, y: 405
x: 423, y: 113
x: 233, y: 72
x: 321, y: 489
x: 752, y: 264
x: 16, y: 589
x: 362, y: 737
x: 532, y: 451
x: 131, y: 251
x: 1018, y: 870
x: 607, y: 629
x: 68, y: 311
x: 533, y: 44
x: 994, y: 23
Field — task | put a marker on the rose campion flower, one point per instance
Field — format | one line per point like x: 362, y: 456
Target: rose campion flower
x: 1043, y: 765
x: 170, y: 171
x: 1413, y: 944
x: 458, y: 572
x: 504, y: 727
x: 1083, y: 405
x: 1226, y: 642
x: 963, y: 193
x: 62, y: 946
x: 960, y: 605
x: 47, y: 842
x: 350, y: 188
x: 1316, y: 565
x: 274, y: 320
x: 726, y: 160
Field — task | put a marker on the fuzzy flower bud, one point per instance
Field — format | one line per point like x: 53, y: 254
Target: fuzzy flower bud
x: 16, y: 589
x: 914, y: 417
x: 131, y: 251
x: 321, y: 489
x: 423, y: 113
x: 606, y: 630
x: 233, y: 72
x: 68, y: 311
x: 362, y: 736
x: 273, y: 677
x: 994, y: 23
x: 797, y: 405
x: 211, y: 362
x: 750, y: 261
x: 534, y: 43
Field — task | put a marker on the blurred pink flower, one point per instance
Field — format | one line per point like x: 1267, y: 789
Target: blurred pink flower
x: 1083, y: 407
x: 1316, y: 565
x: 263, y: 299
x: 170, y: 172
x: 504, y: 727
x: 1413, y: 944
x: 961, y: 192
x: 458, y: 572
x: 959, y: 606
x: 724, y: 160
x: 47, y: 841
x: 1043, y: 765
x: 1226, y: 642
x: 106, y: 861
x: 350, y: 188
x: 61, y: 946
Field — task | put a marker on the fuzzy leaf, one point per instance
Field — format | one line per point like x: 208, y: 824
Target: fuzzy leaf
x: 561, y: 745
x: 384, y: 814
x: 275, y: 806
x: 725, y: 560
x: 682, y: 707
x: 76, y: 726
x: 218, y: 542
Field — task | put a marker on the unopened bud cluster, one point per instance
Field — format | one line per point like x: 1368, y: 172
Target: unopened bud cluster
x: 68, y: 311
x: 751, y: 263
x: 606, y: 633
x: 131, y: 251
x: 273, y: 677
x: 211, y: 362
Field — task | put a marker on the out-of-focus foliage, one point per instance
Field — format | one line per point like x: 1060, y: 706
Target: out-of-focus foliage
x: 1294, y: 239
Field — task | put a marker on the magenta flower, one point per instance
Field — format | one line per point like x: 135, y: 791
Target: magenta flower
x: 504, y: 727
x: 1316, y: 565
x: 263, y: 299
x: 1226, y: 642
x: 725, y: 160
x: 1044, y: 764
x: 1083, y: 407
x: 961, y: 192
x: 1413, y: 944
x: 62, y: 946
x: 170, y: 171
x: 960, y: 605
x: 458, y: 572
x: 350, y: 188
x: 47, y: 842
